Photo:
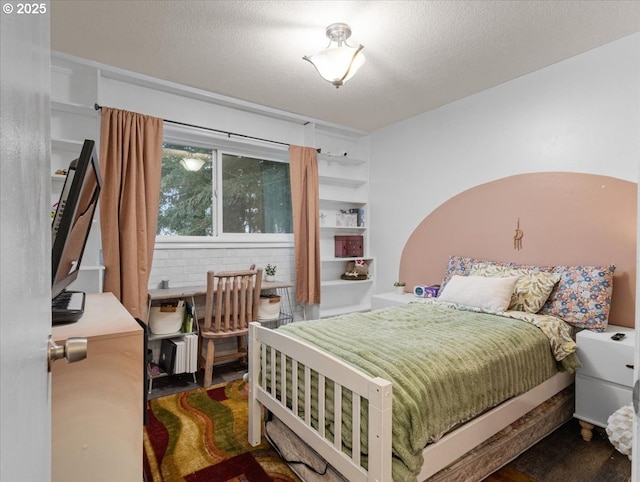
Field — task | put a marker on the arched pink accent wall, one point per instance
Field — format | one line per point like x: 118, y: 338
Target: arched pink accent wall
x: 567, y: 219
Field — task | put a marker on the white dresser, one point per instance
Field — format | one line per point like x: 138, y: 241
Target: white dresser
x: 605, y: 379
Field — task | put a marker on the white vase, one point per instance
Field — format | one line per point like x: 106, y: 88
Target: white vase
x: 269, y: 277
x: 399, y: 290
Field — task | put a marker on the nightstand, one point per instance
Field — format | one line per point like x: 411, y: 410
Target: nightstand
x: 605, y: 378
x: 384, y: 300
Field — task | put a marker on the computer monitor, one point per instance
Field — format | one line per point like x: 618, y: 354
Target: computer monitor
x: 73, y: 218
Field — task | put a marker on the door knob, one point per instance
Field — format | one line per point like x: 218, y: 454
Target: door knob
x: 73, y: 349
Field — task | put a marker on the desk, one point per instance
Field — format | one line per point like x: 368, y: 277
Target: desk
x: 200, y: 291
x: 193, y: 292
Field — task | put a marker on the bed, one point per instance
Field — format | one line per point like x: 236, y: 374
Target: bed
x: 362, y: 389
x: 317, y: 425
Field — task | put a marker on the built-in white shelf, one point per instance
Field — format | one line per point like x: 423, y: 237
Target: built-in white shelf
x: 66, y: 144
x: 340, y: 201
x: 97, y: 267
x: 333, y: 259
x: 341, y: 159
x: 342, y: 181
x: 337, y: 202
x: 344, y: 228
x: 342, y: 282
x: 79, y: 109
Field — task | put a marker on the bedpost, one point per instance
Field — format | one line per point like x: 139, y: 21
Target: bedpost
x: 380, y: 403
x: 255, y: 419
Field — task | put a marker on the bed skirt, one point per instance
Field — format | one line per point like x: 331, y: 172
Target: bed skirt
x: 474, y: 466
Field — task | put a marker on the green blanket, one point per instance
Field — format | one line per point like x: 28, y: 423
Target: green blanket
x: 446, y: 365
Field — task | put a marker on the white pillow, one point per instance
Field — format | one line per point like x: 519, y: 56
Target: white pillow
x: 486, y: 293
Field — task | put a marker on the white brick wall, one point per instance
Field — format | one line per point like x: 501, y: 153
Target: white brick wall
x: 188, y: 267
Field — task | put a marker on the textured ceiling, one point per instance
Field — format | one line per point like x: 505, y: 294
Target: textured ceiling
x: 419, y: 54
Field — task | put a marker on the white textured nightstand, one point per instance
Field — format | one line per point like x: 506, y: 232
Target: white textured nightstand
x: 605, y: 379
x: 384, y: 300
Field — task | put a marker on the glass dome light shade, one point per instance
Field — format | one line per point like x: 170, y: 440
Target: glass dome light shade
x: 192, y: 164
x: 337, y: 64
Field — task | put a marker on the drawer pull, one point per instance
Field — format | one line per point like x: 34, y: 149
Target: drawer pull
x: 629, y: 365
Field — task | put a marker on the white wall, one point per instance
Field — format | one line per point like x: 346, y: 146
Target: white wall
x: 182, y: 104
x: 78, y: 84
x: 579, y: 115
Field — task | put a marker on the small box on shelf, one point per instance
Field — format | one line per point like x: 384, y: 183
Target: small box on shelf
x: 350, y: 218
x: 349, y: 246
x: 346, y: 220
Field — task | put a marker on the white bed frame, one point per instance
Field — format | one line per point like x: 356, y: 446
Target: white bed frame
x: 378, y: 392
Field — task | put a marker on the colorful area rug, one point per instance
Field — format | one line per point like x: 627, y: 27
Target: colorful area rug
x: 201, y: 435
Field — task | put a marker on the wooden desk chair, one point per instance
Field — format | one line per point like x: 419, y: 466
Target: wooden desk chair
x: 231, y: 303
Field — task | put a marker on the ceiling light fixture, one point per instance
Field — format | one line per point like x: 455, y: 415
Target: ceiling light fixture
x: 191, y: 163
x: 339, y: 61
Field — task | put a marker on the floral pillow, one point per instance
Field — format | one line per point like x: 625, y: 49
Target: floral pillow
x: 458, y: 265
x: 462, y: 266
x: 582, y: 297
x: 532, y: 289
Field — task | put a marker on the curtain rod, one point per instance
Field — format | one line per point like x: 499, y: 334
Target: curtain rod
x: 229, y: 134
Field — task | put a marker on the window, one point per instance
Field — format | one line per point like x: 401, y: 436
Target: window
x: 256, y: 195
x: 186, y: 196
x: 213, y: 192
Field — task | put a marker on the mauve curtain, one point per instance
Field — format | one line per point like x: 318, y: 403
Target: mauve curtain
x: 303, y: 171
x: 131, y: 165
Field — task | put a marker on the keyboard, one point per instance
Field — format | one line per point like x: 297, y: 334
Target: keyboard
x: 67, y: 307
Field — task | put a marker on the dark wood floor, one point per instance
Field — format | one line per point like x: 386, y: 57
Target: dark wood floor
x: 564, y: 456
